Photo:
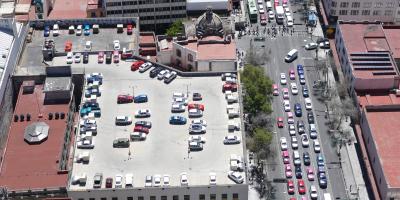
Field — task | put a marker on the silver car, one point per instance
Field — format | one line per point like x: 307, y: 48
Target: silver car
x: 231, y: 139
x: 236, y: 177
x: 197, y: 129
x: 195, y: 113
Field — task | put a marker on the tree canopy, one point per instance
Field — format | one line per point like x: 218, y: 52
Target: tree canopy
x: 175, y: 28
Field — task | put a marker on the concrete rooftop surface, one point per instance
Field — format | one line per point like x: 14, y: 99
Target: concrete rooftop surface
x: 30, y: 166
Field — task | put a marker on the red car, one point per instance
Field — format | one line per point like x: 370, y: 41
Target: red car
x: 141, y: 129
x: 288, y: 171
x: 129, y: 29
x: 116, y: 56
x: 275, y: 90
x: 301, y: 186
x: 135, y: 65
x: 310, y: 174
x: 285, y: 93
x: 229, y: 87
x: 279, y: 122
x: 290, y: 187
x: 292, y: 75
x: 196, y: 106
x: 100, y: 57
x: 109, y: 182
x: 124, y: 98
x: 285, y: 157
x: 293, y: 198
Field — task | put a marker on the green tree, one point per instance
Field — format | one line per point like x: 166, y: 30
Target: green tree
x: 175, y: 28
x: 260, y: 142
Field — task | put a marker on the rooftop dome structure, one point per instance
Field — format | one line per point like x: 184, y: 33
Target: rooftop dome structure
x: 209, y: 24
x: 36, y: 132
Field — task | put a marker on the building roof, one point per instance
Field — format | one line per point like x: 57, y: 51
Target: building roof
x: 66, y: 9
x: 146, y: 39
x: 207, y: 50
x: 393, y: 38
x: 35, y: 166
x: 6, y: 41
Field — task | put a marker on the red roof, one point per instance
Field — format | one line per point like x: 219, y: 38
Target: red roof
x: 67, y: 9
x: 393, y: 38
x: 146, y: 39
x: 28, y: 166
x: 213, y: 51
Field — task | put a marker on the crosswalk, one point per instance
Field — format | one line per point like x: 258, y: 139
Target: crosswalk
x: 279, y: 35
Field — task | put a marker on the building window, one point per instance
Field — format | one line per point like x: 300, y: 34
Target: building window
x: 175, y: 197
x: 81, y: 199
x: 235, y: 196
x: 224, y: 196
x: 190, y: 57
x: 388, y: 12
x: 213, y: 196
x: 334, y: 4
x: 376, y: 12
x: 354, y: 12
x: 355, y: 4
x: 333, y: 12
x: 342, y: 12
x: 380, y: 181
x: 366, y: 12
x: 129, y: 198
x: 164, y: 198
x: 152, y: 197
x: 178, y: 53
x: 140, y: 198
x: 114, y: 198
x: 103, y: 198
x: 378, y: 4
x: 344, y: 4
x: 186, y: 197
x: 92, y: 198
x: 390, y: 4
x: 202, y: 197
x: 367, y: 4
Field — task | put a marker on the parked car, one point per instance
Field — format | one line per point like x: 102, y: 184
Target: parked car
x: 322, y: 180
x: 294, y: 142
x: 85, y: 144
x: 313, y: 192
x: 69, y: 58
x: 124, y: 98
x: 317, y: 146
x: 170, y: 77
x: 300, y: 69
x: 298, y: 172
x: 305, y: 141
x: 161, y: 74
x: 121, y: 143
x: 100, y: 57
x: 195, y: 146
x: 148, y: 181
x: 231, y: 139
x: 283, y: 143
x: 145, y: 66
x: 302, y: 79
x: 297, y: 110
x: 197, y: 129
x: 301, y: 187
x: 142, y: 113
x: 142, y: 98
x: 306, y: 158
x: 136, y: 65
x: 139, y: 136
x: 116, y: 56
x: 77, y: 58
x: 279, y: 122
x: 283, y: 79
x: 290, y: 187
x: 146, y: 124
x: 229, y: 87
x: 307, y: 102
x: 108, y: 57
x: 86, y: 29
x: 305, y: 91
x: 129, y: 29
x: 236, y: 177
x: 97, y: 180
x: 154, y: 72
x: 184, y: 179
x: 196, y: 106
x: 311, y: 46
x: 117, y: 45
x: 46, y: 32
x: 310, y: 118
x: 292, y: 75
x: 288, y: 171
x: 79, y: 30
x: 177, y: 120
x: 285, y: 157
x: 56, y: 30
x: 300, y: 127
x: 195, y: 113
x: 275, y: 90
x: 85, y: 57
x: 109, y: 182
x: 197, y: 96
x: 197, y: 138
x: 285, y: 93
x: 118, y: 181
x: 310, y: 174
x: 177, y: 107
x: 199, y: 121
x: 123, y: 120
x: 140, y: 129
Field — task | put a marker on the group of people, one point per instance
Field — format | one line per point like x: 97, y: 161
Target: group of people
x: 272, y: 31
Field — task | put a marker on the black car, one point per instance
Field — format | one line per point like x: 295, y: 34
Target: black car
x: 300, y: 127
x: 108, y: 58
x: 197, y: 96
x: 305, y: 91
x: 310, y: 118
x: 145, y: 124
x: 306, y: 158
x: 297, y: 171
x: 85, y: 58
x: 322, y: 180
x: 155, y: 71
x: 121, y: 143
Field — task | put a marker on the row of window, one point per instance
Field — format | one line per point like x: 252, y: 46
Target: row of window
x: 235, y: 196
x: 363, y: 12
x: 140, y: 2
x: 358, y: 4
x: 179, y: 54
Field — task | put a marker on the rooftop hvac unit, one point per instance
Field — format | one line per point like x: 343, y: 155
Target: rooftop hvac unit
x: 16, y: 118
x: 50, y: 116
x: 21, y: 118
x: 28, y: 117
x: 57, y: 115
x: 62, y: 115
x: 28, y: 87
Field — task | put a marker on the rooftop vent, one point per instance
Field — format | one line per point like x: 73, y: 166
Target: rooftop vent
x: 62, y: 115
x: 28, y: 87
x: 16, y: 118
x: 50, y: 116
x: 28, y: 117
x: 21, y: 118
x: 57, y: 115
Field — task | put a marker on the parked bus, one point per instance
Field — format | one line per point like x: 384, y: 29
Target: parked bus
x: 252, y: 8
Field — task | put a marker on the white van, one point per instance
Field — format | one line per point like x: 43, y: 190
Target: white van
x: 291, y: 56
x: 289, y: 21
x: 269, y: 5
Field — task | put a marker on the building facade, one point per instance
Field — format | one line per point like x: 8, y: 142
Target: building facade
x: 363, y: 10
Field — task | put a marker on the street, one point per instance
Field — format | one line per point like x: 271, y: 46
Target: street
x: 277, y: 48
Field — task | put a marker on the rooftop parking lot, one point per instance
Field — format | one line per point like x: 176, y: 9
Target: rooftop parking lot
x: 102, y: 41
x: 165, y: 150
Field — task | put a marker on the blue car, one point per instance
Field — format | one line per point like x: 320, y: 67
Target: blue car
x: 46, y: 31
x: 300, y: 69
x: 323, y: 181
x: 85, y: 111
x: 297, y: 110
x: 140, y: 98
x: 305, y: 91
x: 320, y: 160
x: 90, y: 92
x: 86, y: 30
x: 302, y: 79
x: 177, y: 120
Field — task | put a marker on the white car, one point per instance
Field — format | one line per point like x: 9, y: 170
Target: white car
x: 123, y: 120
x: 195, y: 113
x: 213, y: 179
x: 56, y: 30
x: 143, y: 113
x: 199, y: 121
x: 157, y: 180
x: 305, y: 141
x: 311, y: 46
x: 317, y: 146
x: 197, y: 129
x: 69, y: 57
x: 292, y: 130
x: 287, y: 11
x: 284, y: 145
x: 231, y: 139
x: 178, y: 107
x: 118, y: 181
x: 88, y: 45
x: 79, y: 30
x: 166, y: 180
x: 313, y: 192
x: 161, y: 74
x: 184, y: 179
x: 294, y: 89
x: 271, y: 15
x: 117, y: 45
x: 286, y: 105
x: 307, y: 102
x: 283, y: 79
x: 197, y: 138
x: 77, y: 58
x: 181, y: 100
x: 145, y: 66
x: 236, y: 177
x: 295, y: 143
x: 85, y: 144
